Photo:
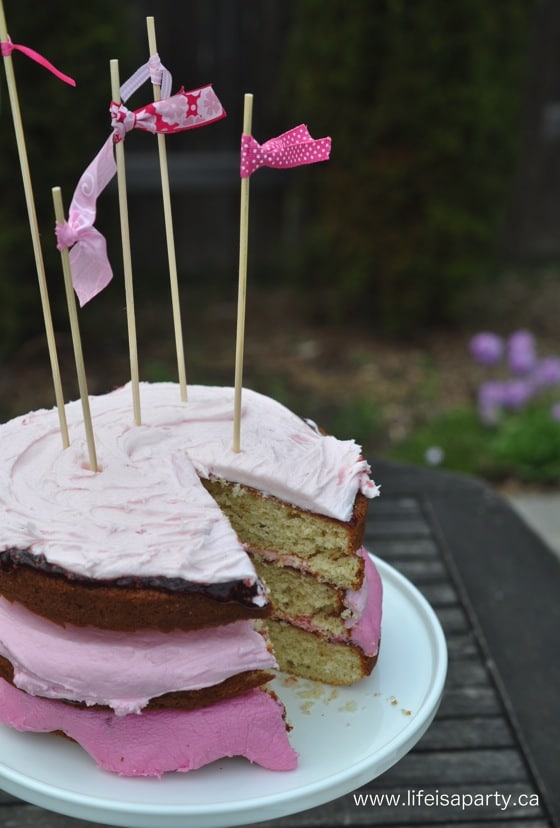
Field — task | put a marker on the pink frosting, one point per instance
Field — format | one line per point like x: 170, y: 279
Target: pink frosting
x: 154, y: 742
x: 145, y: 512
x: 367, y: 632
x: 123, y: 670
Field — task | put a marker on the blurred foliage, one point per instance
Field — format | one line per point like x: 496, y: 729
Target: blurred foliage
x: 528, y: 446
x: 465, y: 444
x: 423, y: 102
x: 525, y: 446
x: 63, y: 130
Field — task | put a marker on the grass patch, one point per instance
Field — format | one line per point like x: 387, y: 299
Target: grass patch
x: 523, y: 446
x: 528, y: 445
x: 464, y: 442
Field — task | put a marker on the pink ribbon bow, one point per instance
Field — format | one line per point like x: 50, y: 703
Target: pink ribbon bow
x: 89, y: 263
x: 291, y: 149
x: 7, y: 47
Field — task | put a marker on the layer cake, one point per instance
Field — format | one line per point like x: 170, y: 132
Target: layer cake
x: 161, y: 591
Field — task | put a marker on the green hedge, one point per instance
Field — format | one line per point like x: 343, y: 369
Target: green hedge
x: 423, y: 101
x: 63, y: 130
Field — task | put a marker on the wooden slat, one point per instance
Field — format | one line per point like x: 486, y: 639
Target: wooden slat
x: 6, y: 798
x: 401, y: 507
x: 472, y: 767
x: 467, y: 673
x: 395, y: 528
x: 29, y: 816
x: 462, y: 733
x: 420, y: 571
x: 453, y: 620
x: 402, y: 549
x: 440, y: 594
x: 462, y: 645
x: 470, y: 701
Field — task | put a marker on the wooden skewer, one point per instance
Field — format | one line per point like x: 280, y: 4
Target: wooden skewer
x: 242, y: 284
x: 75, y: 331
x: 35, y: 237
x: 127, y: 258
x: 164, y: 171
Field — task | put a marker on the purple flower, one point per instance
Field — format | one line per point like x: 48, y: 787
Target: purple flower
x: 490, y: 400
x: 486, y: 348
x: 547, y: 371
x: 522, y: 352
x: 517, y: 393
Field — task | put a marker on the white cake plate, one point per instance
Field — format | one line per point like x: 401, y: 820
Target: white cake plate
x: 345, y: 737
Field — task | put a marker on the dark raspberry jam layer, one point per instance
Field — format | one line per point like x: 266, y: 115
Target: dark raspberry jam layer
x: 237, y: 591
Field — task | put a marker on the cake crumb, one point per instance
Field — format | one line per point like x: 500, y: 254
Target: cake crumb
x: 406, y: 712
x: 349, y: 707
x: 311, y: 691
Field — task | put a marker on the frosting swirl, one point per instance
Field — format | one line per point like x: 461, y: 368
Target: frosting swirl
x: 145, y: 512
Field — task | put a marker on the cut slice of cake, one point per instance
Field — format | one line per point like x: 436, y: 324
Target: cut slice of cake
x: 319, y: 631
x: 325, y: 591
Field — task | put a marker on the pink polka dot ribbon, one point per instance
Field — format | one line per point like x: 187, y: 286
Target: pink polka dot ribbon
x: 291, y: 149
x: 7, y: 47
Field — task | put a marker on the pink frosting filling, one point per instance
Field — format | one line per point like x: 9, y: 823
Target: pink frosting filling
x: 154, y: 742
x: 364, y: 604
x: 123, y: 670
x: 367, y: 632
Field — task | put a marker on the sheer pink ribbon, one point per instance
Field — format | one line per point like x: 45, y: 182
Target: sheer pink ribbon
x: 291, y: 149
x: 91, y: 271
x: 7, y: 47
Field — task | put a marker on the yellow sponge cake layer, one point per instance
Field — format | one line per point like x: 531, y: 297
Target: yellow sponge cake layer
x: 323, y: 546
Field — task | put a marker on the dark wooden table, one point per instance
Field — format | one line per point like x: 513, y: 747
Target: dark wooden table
x: 495, y: 587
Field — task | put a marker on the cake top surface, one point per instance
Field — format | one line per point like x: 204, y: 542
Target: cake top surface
x: 145, y: 512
